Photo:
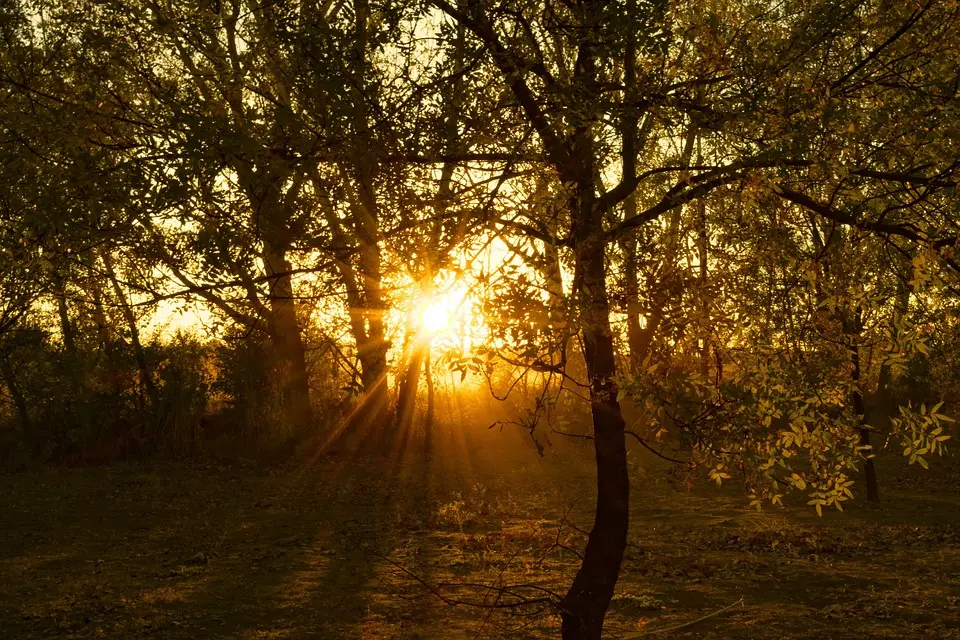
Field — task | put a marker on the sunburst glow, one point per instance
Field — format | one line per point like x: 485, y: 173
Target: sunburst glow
x: 437, y: 314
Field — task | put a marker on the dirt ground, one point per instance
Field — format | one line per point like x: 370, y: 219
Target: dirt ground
x: 332, y: 546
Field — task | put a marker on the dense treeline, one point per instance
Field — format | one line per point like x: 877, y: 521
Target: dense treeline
x: 736, y: 217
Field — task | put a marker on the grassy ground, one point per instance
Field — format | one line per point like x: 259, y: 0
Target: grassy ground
x: 338, y: 547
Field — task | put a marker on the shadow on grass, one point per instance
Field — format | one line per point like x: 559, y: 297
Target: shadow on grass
x: 206, y: 553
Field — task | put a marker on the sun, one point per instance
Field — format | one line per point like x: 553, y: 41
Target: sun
x: 436, y: 315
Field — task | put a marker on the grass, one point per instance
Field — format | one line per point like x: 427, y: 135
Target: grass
x: 338, y: 547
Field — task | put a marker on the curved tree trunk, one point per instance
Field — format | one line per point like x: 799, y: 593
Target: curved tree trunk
x: 584, y: 606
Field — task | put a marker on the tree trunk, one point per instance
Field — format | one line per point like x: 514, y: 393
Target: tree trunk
x: 23, y: 413
x: 584, y: 606
x: 869, y: 470
x: 884, y: 404
x: 92, y: 285
x: 409, y: 385
x: 146, y: 377
x: 63, y: 313
x: 631, y: 291
x: 628, y: 245
x: 571, y: 151
x: 365, y: 308
x: 288, y: 348
x: 668, y: 267
x: 431, y: 403
x: 703, y: 257
x: 372, y: 348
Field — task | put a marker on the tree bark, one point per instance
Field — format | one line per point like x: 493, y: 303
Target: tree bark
x: 668, y: 265
x: 584, y: 606
x: 368, y: 324
x: 284, y: 330
x: 631, y: 292
x: 703, y: 257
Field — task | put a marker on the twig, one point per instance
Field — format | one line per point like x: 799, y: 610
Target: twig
x: 655, y: 632
x: 549, y: 599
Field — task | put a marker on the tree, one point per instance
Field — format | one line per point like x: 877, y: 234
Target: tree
x: 760, y: 119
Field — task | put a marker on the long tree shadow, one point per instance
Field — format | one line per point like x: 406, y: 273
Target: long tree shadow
x: 210, y: 554
x: 325, y: 568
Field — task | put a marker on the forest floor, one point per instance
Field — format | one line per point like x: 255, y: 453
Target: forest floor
x: 339, y: 547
